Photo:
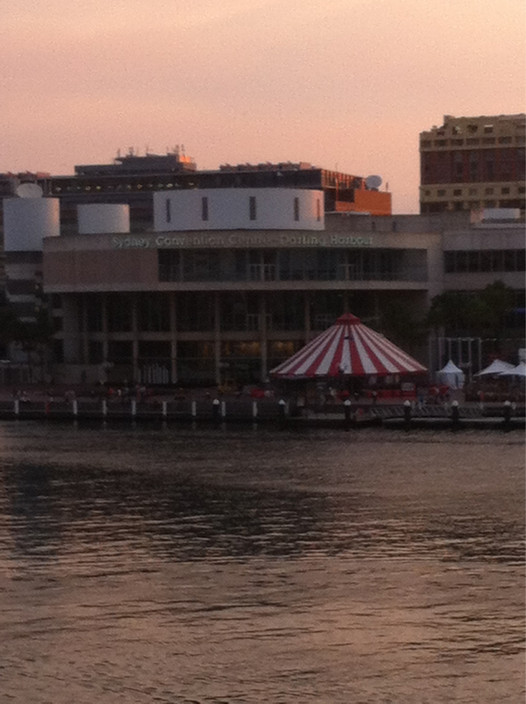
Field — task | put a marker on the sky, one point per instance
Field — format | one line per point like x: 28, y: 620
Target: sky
x: 341, y: 84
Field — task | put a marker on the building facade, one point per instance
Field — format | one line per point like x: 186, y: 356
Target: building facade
x: 188, y: 303
x: 472, y: 163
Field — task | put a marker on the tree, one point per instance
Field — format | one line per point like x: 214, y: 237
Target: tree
x: 34, y: 337
x: 10, y: 328
x: 481, y: 314
x: 402, y: 325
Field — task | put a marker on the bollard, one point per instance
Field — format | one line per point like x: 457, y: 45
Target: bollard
x: 104, y: 407
x: 407, y: 414
x: 133, y: 407
x: 282, y: 405
x: 223, y: 409
x: 455, y: 416
x: 347, y: 413
x: 165, y: 409
x: 17, y: 407
x: 75, y: 407
x: 507, y: 415
x: 254, y: 409
x: 216, y: 408
x: 193, y: 409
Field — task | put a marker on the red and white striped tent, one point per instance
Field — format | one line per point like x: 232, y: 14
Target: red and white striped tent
x: 347, y: 348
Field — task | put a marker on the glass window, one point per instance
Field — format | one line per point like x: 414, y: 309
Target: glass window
x: 486, y: 260
x: 93, y: 313
x: 195, y: 311
x: 153, y: 312
x: 120, y: 351
x: 201, y: 265
x: 286, y: 310
x: 510, y: 262
x: 119, y: 312
x: 449, y: 262
x: 473, y: 258
x: 169, y: 264
x: 296, y: 208
x: 239, y: 311
x: 95, y: 352
x: 252, y: 213
x: 204, y: 208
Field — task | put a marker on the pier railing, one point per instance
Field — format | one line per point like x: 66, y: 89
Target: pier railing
x: 231, y: 409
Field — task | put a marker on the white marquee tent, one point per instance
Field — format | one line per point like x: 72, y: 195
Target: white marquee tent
x: 451, y: 375
x: 519, y: 370
x: 498, y: 366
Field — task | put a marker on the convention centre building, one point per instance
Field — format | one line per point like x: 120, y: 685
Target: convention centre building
x: 228, y: 283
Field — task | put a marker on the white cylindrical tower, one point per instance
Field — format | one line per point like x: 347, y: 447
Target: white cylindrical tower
x: 27, y: 221
x: 99, y: 218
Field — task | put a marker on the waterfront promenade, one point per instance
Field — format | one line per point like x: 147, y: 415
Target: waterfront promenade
x: 205, y: 406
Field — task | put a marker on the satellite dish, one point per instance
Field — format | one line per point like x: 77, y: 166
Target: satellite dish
x: 29, y: 190
x: 374, y: 182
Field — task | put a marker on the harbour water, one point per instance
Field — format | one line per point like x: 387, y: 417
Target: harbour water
x: 256, y: 565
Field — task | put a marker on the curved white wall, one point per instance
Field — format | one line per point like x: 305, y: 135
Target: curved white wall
x: 239, y: 209
x: 27, y: 221
x: 97, y: 218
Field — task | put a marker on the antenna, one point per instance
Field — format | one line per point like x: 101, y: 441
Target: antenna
x: 373, y: 182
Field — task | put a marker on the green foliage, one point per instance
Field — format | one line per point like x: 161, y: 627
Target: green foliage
x: 475, y: 314
x: 10, y: 326
x: 29, y: 335
x: 401, y: 325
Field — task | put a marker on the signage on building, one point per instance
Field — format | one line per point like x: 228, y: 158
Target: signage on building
x: 235, y: 239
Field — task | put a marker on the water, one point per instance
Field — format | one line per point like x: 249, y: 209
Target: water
x: 247, y: 565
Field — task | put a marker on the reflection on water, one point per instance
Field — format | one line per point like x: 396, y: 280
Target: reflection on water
x: 249, y: 565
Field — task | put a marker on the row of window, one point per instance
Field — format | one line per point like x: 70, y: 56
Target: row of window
x: 497, y: 260
x: 251, y: 205
x: 456, y: 142
x: 235, y: 310
x: 194, y: 362
x: 473, y: 191
x: 292, y: 265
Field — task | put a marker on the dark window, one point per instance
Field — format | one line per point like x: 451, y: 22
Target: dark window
x: 119, y: 312
x: 489, y: 260
x: 168, y: 210
x: 296, y: 208
x: 120, y: 351
x: 153, y: 312
x: 449, y: 262
x: 93, y: 313
x: 58, y: 351
x: 204, y: 208
x: 169, y: 264
x: 252, y: 207
x: 95, y: 352
x: 195, y: 311
x: 201, y: 265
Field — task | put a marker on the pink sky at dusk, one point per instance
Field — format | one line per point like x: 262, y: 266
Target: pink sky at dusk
x: 343, y: 84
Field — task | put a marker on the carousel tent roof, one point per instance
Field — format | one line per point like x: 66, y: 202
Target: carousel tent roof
x: 496, y: 367
x: 351, y: 348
